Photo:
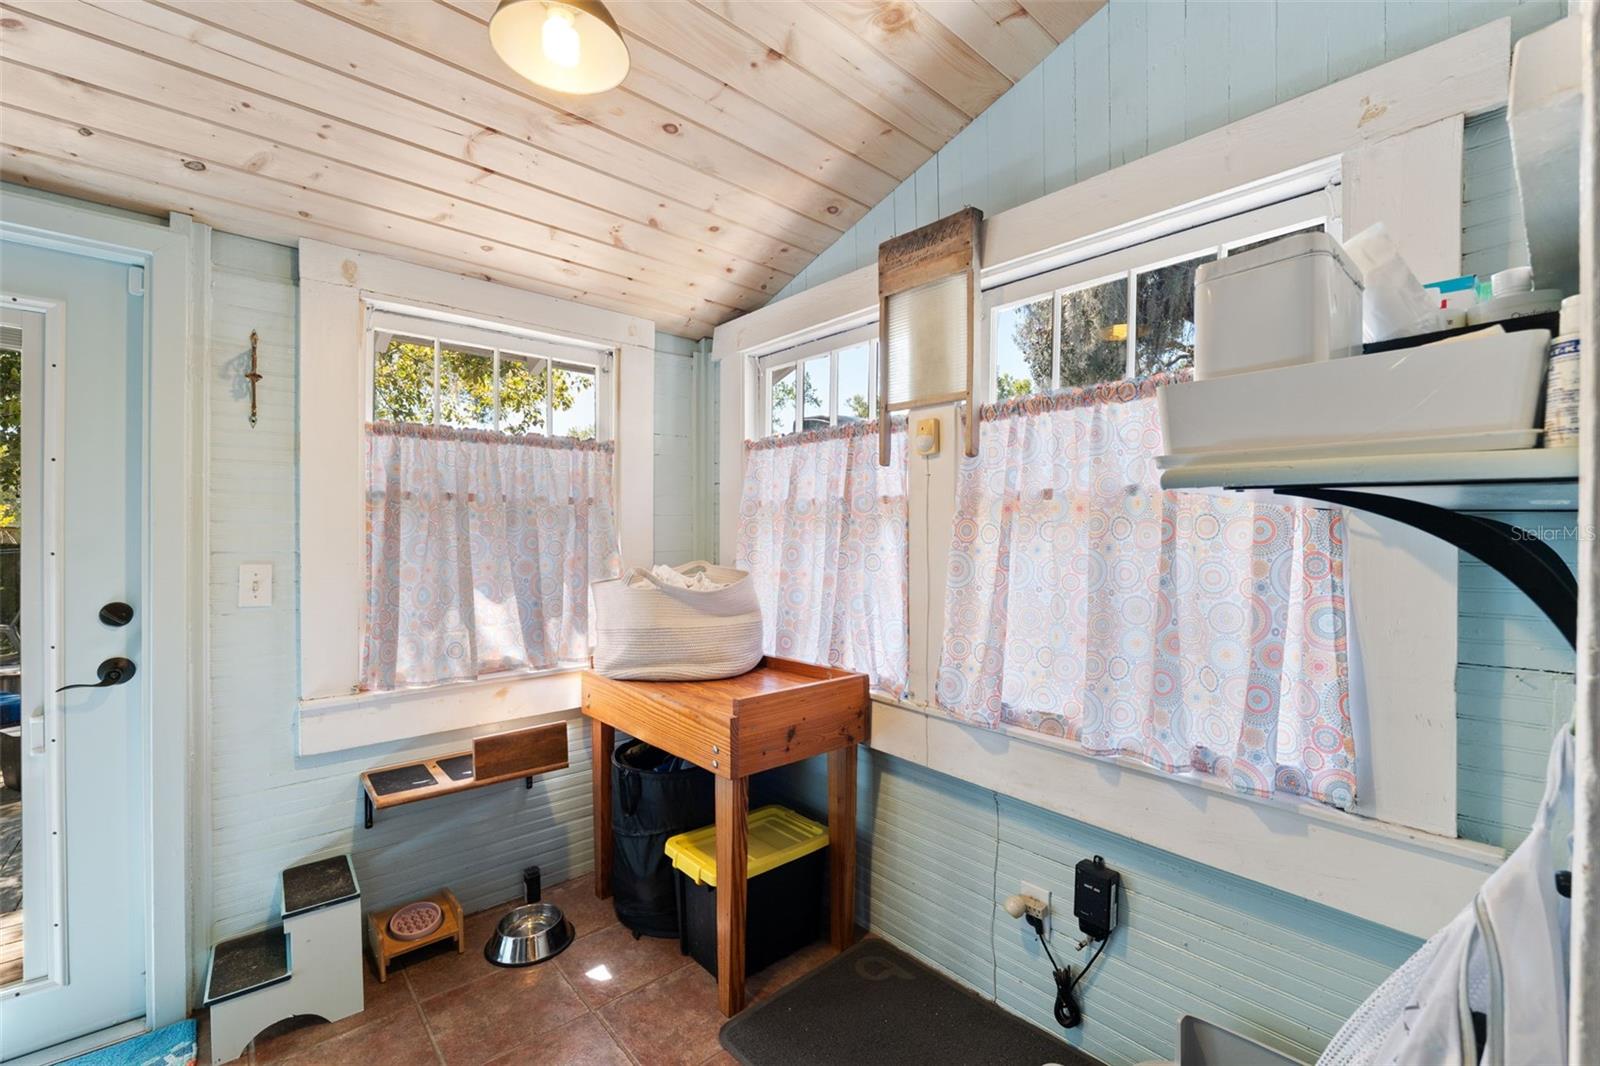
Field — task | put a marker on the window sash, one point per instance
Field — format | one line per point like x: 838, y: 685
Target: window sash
x: 1129, y: 262
x: 445, y: 331
x: 773, y: 364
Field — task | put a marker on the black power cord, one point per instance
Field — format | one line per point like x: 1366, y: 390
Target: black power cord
x: 1067, y: 1011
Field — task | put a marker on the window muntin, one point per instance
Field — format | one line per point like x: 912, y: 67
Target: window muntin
x: 820, y: 385
x: 436, y: 372
x: 1072, y: 327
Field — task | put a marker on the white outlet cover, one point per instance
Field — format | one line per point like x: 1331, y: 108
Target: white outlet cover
x: 1037, y: 892
x: 255, y: 584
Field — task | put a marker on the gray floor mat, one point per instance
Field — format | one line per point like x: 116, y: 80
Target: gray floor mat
x: 876, y: 1004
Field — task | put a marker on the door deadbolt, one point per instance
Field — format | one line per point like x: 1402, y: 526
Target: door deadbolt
x: 116, y: 614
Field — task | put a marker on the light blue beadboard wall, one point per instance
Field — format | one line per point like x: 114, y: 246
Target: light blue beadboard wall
x: 938, y: 855
x: 1515, y: 687
x: 1141, y: 76
x: 271, y: 809
x: 674, y: 449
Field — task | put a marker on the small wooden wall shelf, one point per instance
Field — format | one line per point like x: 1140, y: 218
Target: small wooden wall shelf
x: 492, y: 760
x: 386, y: 948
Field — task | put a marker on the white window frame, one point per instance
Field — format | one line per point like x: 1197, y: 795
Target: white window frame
x: 337, y: 287
x: 771, y: 364
x: 1129, y: 261
x: 496, y: 338
x: 1394, y: 133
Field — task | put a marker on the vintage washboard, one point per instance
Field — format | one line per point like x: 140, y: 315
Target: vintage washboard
x: 927, y: 304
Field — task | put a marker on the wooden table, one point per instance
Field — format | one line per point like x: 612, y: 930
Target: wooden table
x: 779, y: 713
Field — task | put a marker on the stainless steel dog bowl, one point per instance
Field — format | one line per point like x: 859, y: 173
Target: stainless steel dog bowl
x: 528, y: 934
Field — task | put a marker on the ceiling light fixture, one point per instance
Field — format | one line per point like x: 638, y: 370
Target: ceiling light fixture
x: 572, y: 46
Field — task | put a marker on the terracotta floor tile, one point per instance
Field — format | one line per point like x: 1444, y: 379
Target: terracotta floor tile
x: 584, y: 1042
x: 787, y: 970
x: 294, y: 1035
x: 611, y: 963
x: 399, y: 1039
x: 476, y: 1022
x: 721, y: 1058
x: 670, y: 1021
x: 577, y: 901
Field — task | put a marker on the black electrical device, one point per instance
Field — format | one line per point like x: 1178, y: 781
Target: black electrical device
x: 1094, y: 898
x: 1094, y: 902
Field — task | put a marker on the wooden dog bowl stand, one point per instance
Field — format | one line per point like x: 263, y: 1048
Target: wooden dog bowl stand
x: 781, y: 712
x: 386, y: 948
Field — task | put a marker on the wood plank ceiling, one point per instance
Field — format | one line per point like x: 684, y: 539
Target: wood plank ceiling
x: 747, y: 137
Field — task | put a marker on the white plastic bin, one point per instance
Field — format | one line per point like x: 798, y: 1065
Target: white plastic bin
x: 1295, y: 300
x: 1477, y: 393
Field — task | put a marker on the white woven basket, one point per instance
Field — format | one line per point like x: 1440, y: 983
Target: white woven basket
x: 646, y: 630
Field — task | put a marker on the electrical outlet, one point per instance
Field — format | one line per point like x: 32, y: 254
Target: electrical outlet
x: 1041, y: 912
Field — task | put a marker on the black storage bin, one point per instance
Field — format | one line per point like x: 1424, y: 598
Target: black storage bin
x: 653, y: 796
x: 783, y: 908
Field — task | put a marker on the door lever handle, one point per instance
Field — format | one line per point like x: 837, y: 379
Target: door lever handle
x: 114, y: 671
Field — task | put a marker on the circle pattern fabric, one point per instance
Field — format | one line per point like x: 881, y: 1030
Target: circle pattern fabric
x: 1200, y: 634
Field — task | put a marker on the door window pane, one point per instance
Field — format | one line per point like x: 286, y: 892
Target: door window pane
x: 1166, y: 317
x: 1094, y: 334
x: 1023, y: 349
x: 572, y: 402
x: 466, y: 386
x: 855, y: 383
x: 522, y: 389
x: 11, y: 946
x: 783, y: 399
x: 402, y: 379
x: 817, y: 389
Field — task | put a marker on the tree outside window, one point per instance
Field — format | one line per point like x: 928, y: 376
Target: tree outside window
x: 403, y: 389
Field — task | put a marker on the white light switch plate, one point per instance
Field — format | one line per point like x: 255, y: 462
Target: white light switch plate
x: 255, y: 584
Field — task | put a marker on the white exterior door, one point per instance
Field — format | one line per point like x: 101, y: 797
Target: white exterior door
x: 83, y: 759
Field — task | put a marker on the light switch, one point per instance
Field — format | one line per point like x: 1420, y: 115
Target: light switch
x: 255, y: 584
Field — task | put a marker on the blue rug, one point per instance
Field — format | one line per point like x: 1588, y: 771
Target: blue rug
x: 172, y: 1046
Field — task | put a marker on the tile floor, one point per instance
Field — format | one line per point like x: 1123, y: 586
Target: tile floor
x: 608, y: 999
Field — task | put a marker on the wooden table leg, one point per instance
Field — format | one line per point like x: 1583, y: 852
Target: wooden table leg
x: 733, y: 809
x: 602, y: 738
x: 842, y: 846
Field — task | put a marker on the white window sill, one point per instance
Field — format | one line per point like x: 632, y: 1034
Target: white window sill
x: 365, y: 719
x: 1347, y: 862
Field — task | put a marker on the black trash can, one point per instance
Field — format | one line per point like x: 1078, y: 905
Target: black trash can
x: 654, y: 796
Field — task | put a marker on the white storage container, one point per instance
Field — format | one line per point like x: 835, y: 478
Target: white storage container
x: 1478, y: 393
x: 1295, y: 300
x: 646, y: 629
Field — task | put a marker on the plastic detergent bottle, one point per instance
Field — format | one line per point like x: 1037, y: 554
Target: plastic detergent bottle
x: 1561, y: 386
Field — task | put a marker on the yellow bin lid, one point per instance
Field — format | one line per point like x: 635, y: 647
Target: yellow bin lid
x: 777, y: 835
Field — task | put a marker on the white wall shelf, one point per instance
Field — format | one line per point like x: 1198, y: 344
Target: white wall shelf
x: 1527, y: 479
x: 1443, y: 495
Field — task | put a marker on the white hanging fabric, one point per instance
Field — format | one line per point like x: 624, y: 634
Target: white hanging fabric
x: 1504, y: 958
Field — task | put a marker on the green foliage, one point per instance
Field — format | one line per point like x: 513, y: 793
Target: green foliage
x: 403, y: 389
x: 1094, y: 332
x: 1009, y: 386
x: 10, y: 438
x: 858, y: 406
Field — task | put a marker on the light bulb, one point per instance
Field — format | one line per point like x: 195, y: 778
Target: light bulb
x: 559, y: 37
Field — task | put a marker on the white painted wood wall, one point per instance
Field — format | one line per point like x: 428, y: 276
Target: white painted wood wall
x: 269, y: 809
